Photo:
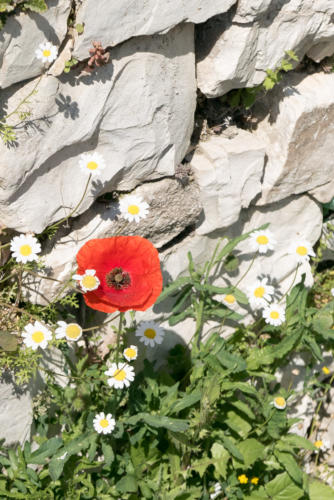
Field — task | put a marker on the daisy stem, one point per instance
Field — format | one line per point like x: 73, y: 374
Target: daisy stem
x: 244, y: 275
x: 120, y: 324
x: 5, y: 245
x: 64, y: 219
x: 293, y: 281
x: 101, y: 326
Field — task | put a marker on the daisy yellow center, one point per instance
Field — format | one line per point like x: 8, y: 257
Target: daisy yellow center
x: 150, y: 333
x: 262, y: 239
x: 133, y: 209
x: 37, y: 336
x: 73, y: 331
x: 325, y: 370
x: 318, y: 444
x: 230, y: 299
x: 301, y: 250
x: 46, y: 53
x: 130, y: 353
x: 104, y: 423
x: 280, y: 401
x: 259, y: 291
x: 119, y: 375
x: 92, y: 165
x: 274, y: 315
x: 25, y: 250
x: 89, y: 282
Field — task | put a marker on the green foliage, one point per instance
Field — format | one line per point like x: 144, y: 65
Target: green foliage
x: 69, y: 64
x: 246, y: 97
x: 15, y: 6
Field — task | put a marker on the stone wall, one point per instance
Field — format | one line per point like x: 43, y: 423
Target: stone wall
x: 138, y: 111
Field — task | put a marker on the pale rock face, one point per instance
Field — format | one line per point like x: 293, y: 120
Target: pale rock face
x: 119, y: 21
x: 235, y: 51
x: 228, y: 172
x: 22, y: 35
x: 16, y: 413
x: 298, y: 137
x: 141, y: 138
x: 173, y: 208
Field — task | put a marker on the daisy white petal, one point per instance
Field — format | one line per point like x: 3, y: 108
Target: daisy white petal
x: 302, y: 250
x: 259, y: 294
x: 150, y: 333
x: 120, y: 375
x: 104, y: 424
x: 46, y: 52
x: 274, y: 314
x: 25, y: 248
x: 71, y: 331
x: 133, y: 208
x: 130, y: 353
x: 322, y: 445
x: 92, y: 163
x: 36, y: 335
x: 88, y: 281
x: 262, y: 241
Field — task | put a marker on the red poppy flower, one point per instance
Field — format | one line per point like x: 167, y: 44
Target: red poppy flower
x: 128, y: 269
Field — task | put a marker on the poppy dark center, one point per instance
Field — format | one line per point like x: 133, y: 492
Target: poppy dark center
x: 118, y: 279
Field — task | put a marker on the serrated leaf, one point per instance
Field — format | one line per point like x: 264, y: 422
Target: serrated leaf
x: 298, y: 442
x: 108, y: 453
x: 47, y: 449
x: 128, y: 484
x: 231, y: 447
x: 319, y: 490
x: 290, y: 465
x: 173, y: 287
x: 220, y: 458
x: 283, y: 488
x: 186, y: 401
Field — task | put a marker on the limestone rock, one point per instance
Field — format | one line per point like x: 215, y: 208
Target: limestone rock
x: 137, y: 112
x: 119, y: 21
x: 298, y: 136
x: 172, y: 209
x: 22, y: 35
x: 228, y: 172
x: 235, y: 49
x: 16, y: 413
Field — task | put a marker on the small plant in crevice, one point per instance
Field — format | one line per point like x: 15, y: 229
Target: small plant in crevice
x: 98, y: 57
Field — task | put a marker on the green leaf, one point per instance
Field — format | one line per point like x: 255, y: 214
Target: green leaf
x: 220, y: 458
x: 290, y: 465
x: 176, y: 318
x: 186, y: 401
x: 292, y: 55
x: 298, y: 442
x: 231, y: 263
x: 35, y: 5
x: 8, y: 341
x: 268, y: 354
x: 157, y: 421
x: 47, y: 449
x: 128, y: 484
x: 251, y: 450
x: 231, y: 361
x: 230, y: 446
x: 173, y: 287
x: 56, y: 467
x: 321, y: 491
x: 283, y: 488
x: 79, y: 28
x: 227, y: 249
x: 237, y: 423
x: 108, y: 453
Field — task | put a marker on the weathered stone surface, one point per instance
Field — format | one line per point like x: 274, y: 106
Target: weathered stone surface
x: 298, y: 136
x: 172, y: 209
x: 136, y: 111
x: 235, y: 50
x: 120, y: 21
x: 16, y: 413
x: 228, y: 172
x: 22, y: 35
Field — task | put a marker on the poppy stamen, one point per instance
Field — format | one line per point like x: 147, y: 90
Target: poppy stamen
x: 118, y: 279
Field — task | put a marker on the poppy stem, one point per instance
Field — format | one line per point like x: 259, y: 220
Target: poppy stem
x: 119, y: 333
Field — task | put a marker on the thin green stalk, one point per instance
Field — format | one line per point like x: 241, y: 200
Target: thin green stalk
x: 101, y: 326
x: 5, y: 245
x: 293, y: 281
x: 199, y: 323
x: 245, y: 274
x: 119, y: 333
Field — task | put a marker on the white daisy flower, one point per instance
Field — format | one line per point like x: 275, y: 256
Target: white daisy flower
x: 274, y: 314
x: 302, y: 250
x: 88, y: 281
x: 332, y: 291
x: 104, y: 424
x: 71, y: 331
x: 25, y: 248
x: 322, y: 445
x: 133, y: 208
x: 120, y: 375
x: 150, y: 333
x: 279, y: 403
x: 92, y: 163
x: 229, y: 300
x: 218, y: 490
x: 262, y: 241
x: 259, y: 294
x: 47, y: 52
x: 130, y: 353
x: 36, y: 335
